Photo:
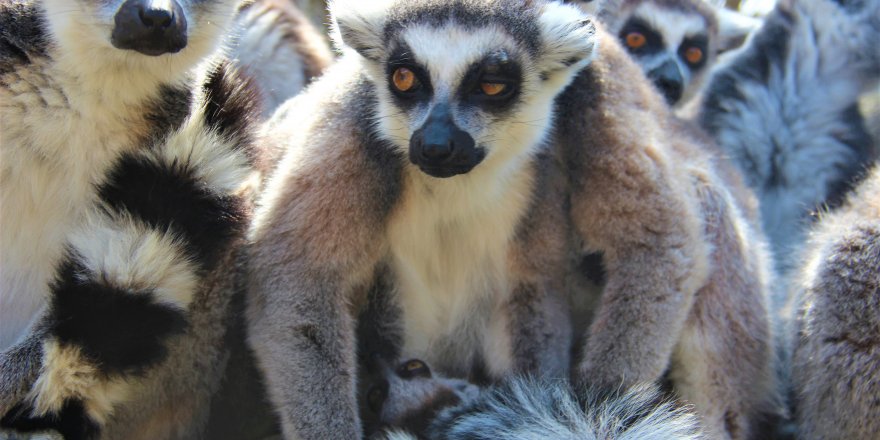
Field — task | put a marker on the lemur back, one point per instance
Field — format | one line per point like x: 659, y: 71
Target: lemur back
x: 126, y: 148
x: 836, y: 356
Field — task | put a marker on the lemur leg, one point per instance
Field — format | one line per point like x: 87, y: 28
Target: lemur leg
x: 722, y: 363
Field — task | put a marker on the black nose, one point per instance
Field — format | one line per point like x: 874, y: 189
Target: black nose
x: 151, y: 27
x: 667, y: 78
x: 440, y: 148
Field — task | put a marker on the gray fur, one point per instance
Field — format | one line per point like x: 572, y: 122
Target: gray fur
x: 835, y: 370
x: 529, y: 409
x: 783, y: 109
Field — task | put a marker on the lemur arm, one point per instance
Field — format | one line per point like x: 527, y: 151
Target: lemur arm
x: 645, y: 221
x: 318, y: 237
x: 540, y: 323
x: 165, y: 217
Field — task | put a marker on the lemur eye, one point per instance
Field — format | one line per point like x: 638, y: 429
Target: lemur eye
x: 404, y: 80
x: 635, y: 40
x: 413, y: 368
x: 492, y: 89
x: 693, y: 55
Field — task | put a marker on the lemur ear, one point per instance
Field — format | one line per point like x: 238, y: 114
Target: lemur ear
x: 569, y: 38
x: 359, y: 24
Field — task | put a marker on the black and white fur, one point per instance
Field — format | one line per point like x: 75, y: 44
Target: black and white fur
x: 417, y: 404
x: 123, y: 180
x: 784, y: 109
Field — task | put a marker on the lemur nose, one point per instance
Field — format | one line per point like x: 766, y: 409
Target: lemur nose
x: 668, y: 80
x: 151, y: 27
x: 151, y: 16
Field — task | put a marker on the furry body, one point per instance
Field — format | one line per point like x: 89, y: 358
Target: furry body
x: 122, y: 199
x: 473, y: 265
x: 836, y: 360
x: 784, y: 109
x: 279, y: 48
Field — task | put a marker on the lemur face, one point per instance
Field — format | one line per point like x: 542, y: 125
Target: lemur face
x: 137, y: 29
x: 672, y: 47
x: 457, y: 93
x: 410, y: 396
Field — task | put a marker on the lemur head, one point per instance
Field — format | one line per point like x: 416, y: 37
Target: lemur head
x: 409, y: 396
x: 674, y: 41
x: 139, y: 34
x: 465, y: 82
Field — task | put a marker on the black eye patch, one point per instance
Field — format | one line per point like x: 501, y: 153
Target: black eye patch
x: 653, y: 40
x: 492, y: 83
x: 700, y: 42
x: 402, y: 58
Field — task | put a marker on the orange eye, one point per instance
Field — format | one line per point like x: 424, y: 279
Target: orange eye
x: 492, y: 89
x: 635, y: 40
x: 693, y: 55
x: 404, y: 79
x: 414, y: 365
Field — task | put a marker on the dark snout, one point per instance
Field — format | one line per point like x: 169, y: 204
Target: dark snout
x: 668, y: 80
x: 441, y: 149
x: 151, y: 27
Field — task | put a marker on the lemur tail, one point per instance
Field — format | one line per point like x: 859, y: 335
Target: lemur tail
x: 527, y: 409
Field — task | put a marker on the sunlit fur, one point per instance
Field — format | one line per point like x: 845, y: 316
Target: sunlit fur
x: 527, y: 409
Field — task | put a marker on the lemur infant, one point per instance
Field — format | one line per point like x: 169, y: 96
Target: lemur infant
x: 411, y: 402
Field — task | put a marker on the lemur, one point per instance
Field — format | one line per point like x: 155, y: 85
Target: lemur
x: 414, y: 403
x: 676, y: 42
x: 443, y: 179
x: 279, y: 48
x: 836, y: 360
x: 784, y: 109
x: 126, y: 149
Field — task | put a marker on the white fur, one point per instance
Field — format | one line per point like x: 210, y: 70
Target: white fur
x: 130, y: 255
x: 65, y: 375
x: 270, y: 58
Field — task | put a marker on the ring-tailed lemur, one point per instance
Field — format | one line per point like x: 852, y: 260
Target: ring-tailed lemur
x: 836, y: 361
x: 125, y: 151
x: 784, y: 109
x: 411, y: 403
x: 675, y: 42
x: 279, y: 48
x: 437, y: 162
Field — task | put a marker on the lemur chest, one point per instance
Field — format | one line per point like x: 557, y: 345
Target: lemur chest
x: 449, y: 254
x: 52, y: 155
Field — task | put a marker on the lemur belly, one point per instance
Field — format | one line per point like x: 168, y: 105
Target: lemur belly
x: 449, y: 246
x: 51, y: 156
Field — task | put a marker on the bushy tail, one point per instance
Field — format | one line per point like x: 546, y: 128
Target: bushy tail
x: 527, y: 409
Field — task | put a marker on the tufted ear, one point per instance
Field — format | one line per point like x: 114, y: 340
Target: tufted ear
x: 569, y: 38
x: 359, y: 24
